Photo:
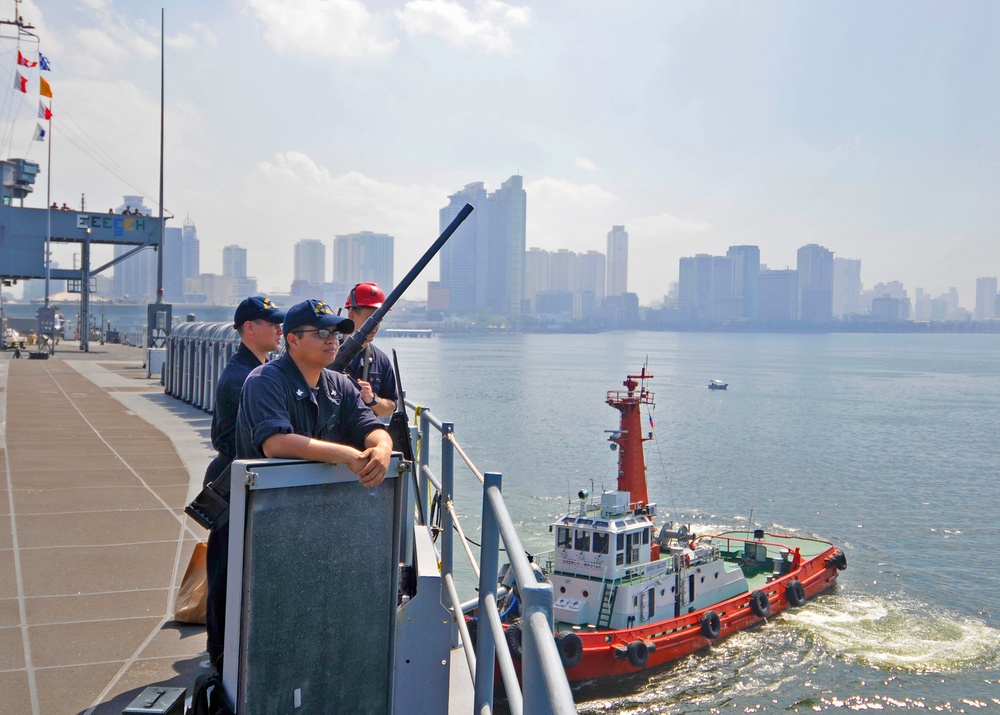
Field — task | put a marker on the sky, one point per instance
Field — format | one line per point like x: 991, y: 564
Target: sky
x: 871, y: 128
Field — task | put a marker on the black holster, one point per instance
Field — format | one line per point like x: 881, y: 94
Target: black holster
x: 211, y: 507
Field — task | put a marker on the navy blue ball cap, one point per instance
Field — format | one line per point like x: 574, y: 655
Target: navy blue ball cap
x: 315, y: 314
x: 257, y: 307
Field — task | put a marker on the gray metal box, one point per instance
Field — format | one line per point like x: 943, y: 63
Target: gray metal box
x: 158, y: 700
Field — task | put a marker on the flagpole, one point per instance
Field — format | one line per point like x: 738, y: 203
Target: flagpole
x: 48, y: 207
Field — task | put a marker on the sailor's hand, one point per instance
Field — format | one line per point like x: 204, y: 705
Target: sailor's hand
x: 376, y: 464
x: 367, y: 394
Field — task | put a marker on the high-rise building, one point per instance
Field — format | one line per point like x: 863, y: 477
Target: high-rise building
x: 746, y: 273
x: 191, y: 250
x: 508, y: 237
x: 483, y: 263
x: 135, y: 277
x: 778, y: 295
x: 815, y: 276
x: 173, y: 257
x: 590, y: 274
x: 536, y: 274
x: 846, y: 287
x: 986, y: 299
x: 234, y: 262
x: 361, y: 258
x: 694, y: 286
x: 310, y: 262
x: 617, y: 258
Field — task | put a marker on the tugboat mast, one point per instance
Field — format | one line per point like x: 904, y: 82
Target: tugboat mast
x: 631, y: 463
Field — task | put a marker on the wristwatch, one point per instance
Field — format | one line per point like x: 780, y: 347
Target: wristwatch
x: 373, y: 402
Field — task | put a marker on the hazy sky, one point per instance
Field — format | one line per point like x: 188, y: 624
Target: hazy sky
x: 868, y: 127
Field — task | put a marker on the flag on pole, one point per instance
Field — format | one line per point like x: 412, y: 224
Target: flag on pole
x: 43, y: 61
x: 24, y: 61
x: 43, y: 111
x: 21, y: 83
x: 39, y: 133
x: 43, y: 88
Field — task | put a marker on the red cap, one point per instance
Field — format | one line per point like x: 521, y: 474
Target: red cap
x: 365, y: 295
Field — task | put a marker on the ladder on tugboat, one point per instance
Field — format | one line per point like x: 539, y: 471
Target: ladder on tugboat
x: 607, y: 605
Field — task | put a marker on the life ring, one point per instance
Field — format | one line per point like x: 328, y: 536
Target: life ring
x: 513, y: 637
x: 711, y: 625
x: 685, y: 560
x: 570, y: 649
x: 795, y: 592
x: 637, y: 653
x: 759, y: 604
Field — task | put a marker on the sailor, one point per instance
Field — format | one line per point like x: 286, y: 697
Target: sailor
x: 258, y: 322
x: 294, y: 408
x: 372, y: 368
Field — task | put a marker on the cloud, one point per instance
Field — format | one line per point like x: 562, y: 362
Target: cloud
x: 487, y: 29
x: 583, y: 162
x: 312, y: 202
x: 342, y: 29
x: 665, y: 224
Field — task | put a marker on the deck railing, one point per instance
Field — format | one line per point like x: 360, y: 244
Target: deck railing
x: 545, y: 688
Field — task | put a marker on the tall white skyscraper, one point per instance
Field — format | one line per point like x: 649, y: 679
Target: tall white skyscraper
x: 617, y: 258
x: 846, y: 287
x: 815, y: 277
x: 746, y: 278
x: 310, y: 262
x: 986, y: 299
x: 363, y: 257
x: 234, y: 262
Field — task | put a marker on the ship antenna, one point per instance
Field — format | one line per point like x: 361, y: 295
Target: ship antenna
x: 750, y: 523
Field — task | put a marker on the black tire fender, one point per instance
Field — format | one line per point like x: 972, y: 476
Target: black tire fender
x: 570, y: 649
x: 638, y: 654
x: 840, y: 560
x: 711, y: 625
x: 513, y: 637
x: 759, y: 604
x: 795, y: 592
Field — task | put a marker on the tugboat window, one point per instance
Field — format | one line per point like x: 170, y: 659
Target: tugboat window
x: 645, y: 536
x: 583, y: 541
x: 564, y: 541
x: 600, y: 543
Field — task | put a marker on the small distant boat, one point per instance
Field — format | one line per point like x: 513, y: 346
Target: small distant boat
x: 718, y: 385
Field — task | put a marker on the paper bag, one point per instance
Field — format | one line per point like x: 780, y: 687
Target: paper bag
x: 192, y: 596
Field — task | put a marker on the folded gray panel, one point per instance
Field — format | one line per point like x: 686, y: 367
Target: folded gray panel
x: 319, y: 591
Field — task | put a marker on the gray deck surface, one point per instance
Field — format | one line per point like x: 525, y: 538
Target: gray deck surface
x: 96, y: 465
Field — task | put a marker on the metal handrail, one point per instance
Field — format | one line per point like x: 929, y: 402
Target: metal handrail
x: 545, y: 689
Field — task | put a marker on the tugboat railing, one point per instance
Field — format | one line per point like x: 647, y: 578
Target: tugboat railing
x: 545, y: 689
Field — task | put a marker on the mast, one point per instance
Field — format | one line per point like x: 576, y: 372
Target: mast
x: 631, y: 462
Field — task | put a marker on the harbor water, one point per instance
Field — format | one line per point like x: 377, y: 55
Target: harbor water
x: 885, y: 445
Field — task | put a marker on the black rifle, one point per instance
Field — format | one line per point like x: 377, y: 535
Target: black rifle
x: 211, y: 507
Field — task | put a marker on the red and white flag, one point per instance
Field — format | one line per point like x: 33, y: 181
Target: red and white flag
x: 24, y: 61
x: 44, y: 112
x: 20, y: 83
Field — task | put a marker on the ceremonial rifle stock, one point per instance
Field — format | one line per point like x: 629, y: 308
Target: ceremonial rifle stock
x: 355, y: 343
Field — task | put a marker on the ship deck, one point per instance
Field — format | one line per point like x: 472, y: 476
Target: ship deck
x: 93, y: 537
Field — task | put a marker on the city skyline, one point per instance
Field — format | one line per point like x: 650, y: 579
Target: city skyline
x: 864, y: 128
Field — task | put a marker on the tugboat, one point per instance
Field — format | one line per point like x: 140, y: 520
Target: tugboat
x: 629, y: 595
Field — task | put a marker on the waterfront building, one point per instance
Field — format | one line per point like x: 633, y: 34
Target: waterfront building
x: 617, y: 261
x: 564, y: 271
x: 310, y: 262
x: 364, y: 257
x: 190, y: 250
x: 590, y: 274
x: 234, y: 262
x: 846, y: 287
x: 706, y: 288
x: 986, y: 299
x: 173, y: 265
x: 815, y: 284
x: 746, y: 278
x: 483, y: 264
x: 536, y: 275
x: 135, y: 277
x: 778, y: 295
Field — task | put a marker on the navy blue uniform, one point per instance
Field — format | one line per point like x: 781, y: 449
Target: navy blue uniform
x: 380, y: 373
x: 227, y: 402
x: 276, y: 400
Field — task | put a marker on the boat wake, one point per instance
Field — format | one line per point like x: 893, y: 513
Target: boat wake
x: 898, y: 634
